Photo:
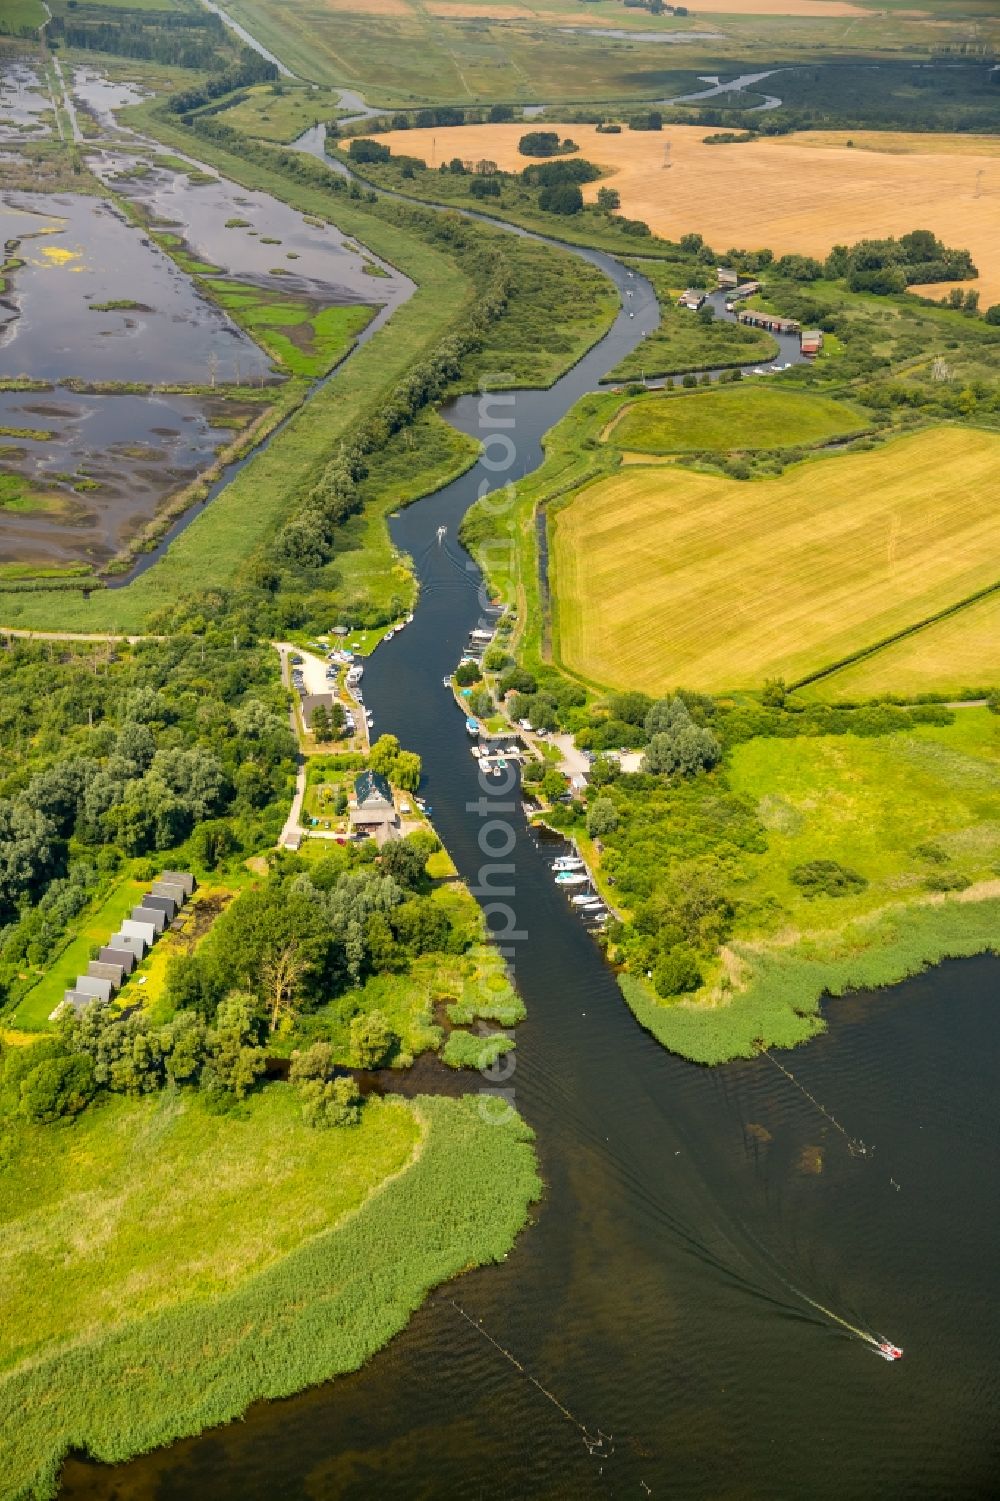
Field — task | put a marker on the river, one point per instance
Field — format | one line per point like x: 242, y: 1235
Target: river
x: 692, y: 1220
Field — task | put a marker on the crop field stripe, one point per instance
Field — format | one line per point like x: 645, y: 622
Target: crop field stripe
x: 669, y: 577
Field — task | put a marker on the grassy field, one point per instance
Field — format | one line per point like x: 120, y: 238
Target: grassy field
x: 404, y: 51
x: 20, y: 16
x: 901, y: 810
x: 664, y: 576
x: 96, y: 928
x: 155, y: 1283
x: 731, y: 418
x: 959, y: 656
x: 802, y: 193
x: 281, y: 117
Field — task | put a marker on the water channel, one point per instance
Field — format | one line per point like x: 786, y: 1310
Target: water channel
x: 692, y: 1220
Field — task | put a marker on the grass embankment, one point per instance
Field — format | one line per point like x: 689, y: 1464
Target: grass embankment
x: 733, y: 418
x: 669, y: 576
x: 908, y: 812
x: 172, y: 1266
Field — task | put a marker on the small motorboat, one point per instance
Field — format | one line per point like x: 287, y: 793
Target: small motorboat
x: 594, y: 902
x: 567, y: 862
x: 389, y: 634
x: 472, y: 726
x: 447, y: 682
x: 582, y: 899
x: 888, y: 1350
x: 409, y: 619
x: 570, y: 878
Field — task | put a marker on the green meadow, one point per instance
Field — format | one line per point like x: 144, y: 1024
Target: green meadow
x: 731, y: 418
x: 162, y: 1285
x: 915, y: 814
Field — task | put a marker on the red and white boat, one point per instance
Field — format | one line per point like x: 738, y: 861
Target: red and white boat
x: 888, y: 1350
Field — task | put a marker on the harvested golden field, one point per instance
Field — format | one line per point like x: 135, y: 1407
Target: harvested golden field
x: 954, y: 656
x: 664, y: 577
x: 794, y: 193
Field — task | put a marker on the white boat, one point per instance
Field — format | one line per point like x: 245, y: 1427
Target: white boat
x: 571, y: 878
x: 409, y: 619
x: 594, y: 901
x: 447, y: 682
x: 567, y: 862
x: 580, y: 900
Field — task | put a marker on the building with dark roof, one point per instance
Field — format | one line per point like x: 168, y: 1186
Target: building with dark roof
x: 374, y: 810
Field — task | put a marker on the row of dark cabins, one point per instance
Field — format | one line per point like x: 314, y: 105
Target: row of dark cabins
x: 108, y: 972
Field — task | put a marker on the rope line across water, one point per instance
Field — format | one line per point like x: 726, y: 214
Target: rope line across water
x: 595, y: 1443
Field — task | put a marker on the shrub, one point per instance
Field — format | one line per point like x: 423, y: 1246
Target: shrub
x: 677, y: 972
x: 827, y: 878
x: 371, y: 1039
x: 947, y: 880
x: 364, y: 150
x: 467, y: 673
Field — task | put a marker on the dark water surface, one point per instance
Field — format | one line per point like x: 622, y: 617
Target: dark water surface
x: 663, y: 1293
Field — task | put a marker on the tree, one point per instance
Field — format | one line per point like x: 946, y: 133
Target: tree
x: 421, y: 925
x: 363, y: 150
x: 602, y: 817
x: 539, y: 143
x: 57, y: 1086
x: 554, y: 784
x: 212, y: 842
x: 993, y: 313
x: 564, y: 198
x: 371, y: 1039
x: 234, y: 1061
x: 608, y: 199
x: 774, y: 693
x: 383, y: 755
x: 467, y: 673
x: 282, y: 972
x: 406, y: 861
x: 330, y: 1102
x: 406, y: 772
x: 321, y: 723
x: 676, y: 743
x: 677, y: 972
